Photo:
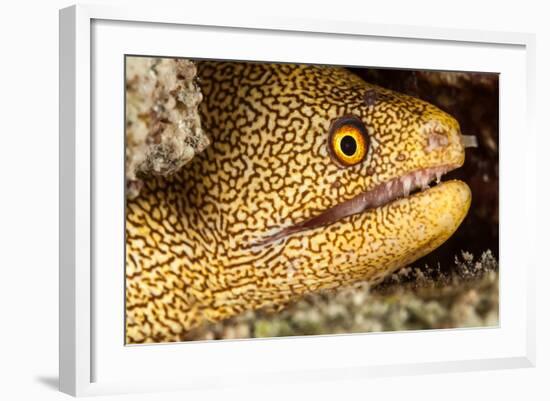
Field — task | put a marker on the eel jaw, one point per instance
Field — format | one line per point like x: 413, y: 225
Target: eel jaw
x: 381, y: 195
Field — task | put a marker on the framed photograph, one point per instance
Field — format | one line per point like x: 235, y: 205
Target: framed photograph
x: 281, y: 200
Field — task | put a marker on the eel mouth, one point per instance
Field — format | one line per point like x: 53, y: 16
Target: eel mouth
x: 381, y: 195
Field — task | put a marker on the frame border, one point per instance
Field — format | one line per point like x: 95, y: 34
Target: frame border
x: 75, y: 169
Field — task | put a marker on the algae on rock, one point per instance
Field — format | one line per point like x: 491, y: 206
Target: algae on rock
x: 414, y: 298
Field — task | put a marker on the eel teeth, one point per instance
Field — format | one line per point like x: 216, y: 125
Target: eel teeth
x: 378, y: 196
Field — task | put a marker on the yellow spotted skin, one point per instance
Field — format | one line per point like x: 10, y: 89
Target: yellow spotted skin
x: 190, y: 254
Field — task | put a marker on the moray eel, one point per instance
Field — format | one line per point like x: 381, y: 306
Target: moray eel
x: 315, y: 179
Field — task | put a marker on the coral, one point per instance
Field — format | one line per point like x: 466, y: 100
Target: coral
x: 163, y: 125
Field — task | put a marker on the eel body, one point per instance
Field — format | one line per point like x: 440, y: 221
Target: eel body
x: 314, y: 179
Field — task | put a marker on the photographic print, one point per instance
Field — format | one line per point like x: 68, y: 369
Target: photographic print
x: 267, y: 199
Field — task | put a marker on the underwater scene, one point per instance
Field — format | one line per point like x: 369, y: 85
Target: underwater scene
x: 267, y: 199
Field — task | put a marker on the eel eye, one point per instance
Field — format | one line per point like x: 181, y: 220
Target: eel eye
x: 348, y: 141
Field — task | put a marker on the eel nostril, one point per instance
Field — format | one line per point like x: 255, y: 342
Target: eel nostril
x: 370, y: 97
x: 436, y: 140
x: 437, y: 135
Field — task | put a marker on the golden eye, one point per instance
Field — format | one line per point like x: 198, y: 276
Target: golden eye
x: 348, y: 141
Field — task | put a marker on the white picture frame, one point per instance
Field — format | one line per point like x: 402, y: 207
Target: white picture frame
x: 93, y: 358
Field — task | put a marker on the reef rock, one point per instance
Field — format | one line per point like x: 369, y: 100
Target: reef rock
x: 163, y: 126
